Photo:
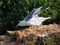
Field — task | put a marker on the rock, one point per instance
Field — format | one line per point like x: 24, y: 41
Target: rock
x: 36, y: 31
x: 3, y: 37
x: 31, y: 36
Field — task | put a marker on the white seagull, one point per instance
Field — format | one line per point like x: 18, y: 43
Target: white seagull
x: 32, y: 19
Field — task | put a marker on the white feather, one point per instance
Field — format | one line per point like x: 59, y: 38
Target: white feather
x: 32, y: 19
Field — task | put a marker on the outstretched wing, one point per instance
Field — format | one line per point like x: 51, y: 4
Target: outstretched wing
x: 34, y: 12
x: 30, y: 15
x: 37, y: 12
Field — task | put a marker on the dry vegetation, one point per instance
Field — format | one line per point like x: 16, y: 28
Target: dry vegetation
x: 30, y: 35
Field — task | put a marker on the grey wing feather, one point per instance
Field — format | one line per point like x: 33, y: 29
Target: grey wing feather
x: 34, y: 12
x: 30, y: 15
x: 37, y: 12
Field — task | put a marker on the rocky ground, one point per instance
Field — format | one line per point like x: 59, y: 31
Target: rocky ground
x: 38, y: 35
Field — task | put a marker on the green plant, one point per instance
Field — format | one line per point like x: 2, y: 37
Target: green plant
x: 13, y: 11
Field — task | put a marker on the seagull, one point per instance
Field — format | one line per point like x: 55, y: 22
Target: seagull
x: 32, y: 19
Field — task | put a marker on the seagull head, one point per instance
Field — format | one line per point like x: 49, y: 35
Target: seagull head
x: 22, y: 23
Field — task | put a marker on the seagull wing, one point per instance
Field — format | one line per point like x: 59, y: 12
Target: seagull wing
x: 37, y: 12
x: 34, y: 12
x: 30, y: 15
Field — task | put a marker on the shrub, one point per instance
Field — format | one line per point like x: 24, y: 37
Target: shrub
x: 13, y: 11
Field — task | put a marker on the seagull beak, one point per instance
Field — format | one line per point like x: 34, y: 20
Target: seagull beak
x: 17, y: 26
